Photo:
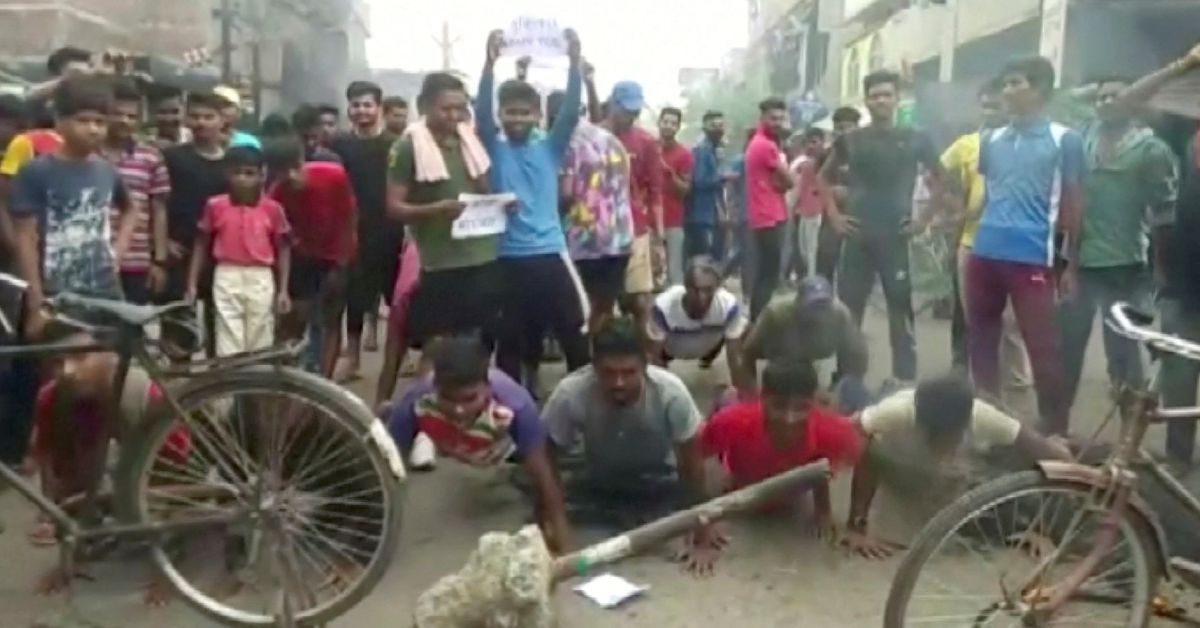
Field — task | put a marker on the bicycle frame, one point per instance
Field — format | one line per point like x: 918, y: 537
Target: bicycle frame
x: 129, y: 344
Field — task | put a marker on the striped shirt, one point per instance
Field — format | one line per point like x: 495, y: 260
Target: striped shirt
x: 144, y: 173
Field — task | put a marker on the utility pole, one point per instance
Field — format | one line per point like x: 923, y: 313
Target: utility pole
x: 447, y: 46
x: 226, y: 18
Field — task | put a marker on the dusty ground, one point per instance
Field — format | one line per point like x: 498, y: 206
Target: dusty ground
x: 772, y: 575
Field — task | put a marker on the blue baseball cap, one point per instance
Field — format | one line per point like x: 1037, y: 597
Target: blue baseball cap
x: 627, y: 95
x: 815, y: 290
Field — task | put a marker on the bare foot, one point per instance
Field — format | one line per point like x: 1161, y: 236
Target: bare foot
x: 346, y: 371
x: 157, y: 592
x: 56, y: 581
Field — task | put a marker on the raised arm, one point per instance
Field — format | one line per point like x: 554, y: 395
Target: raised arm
x: 568, y: 114
x: 1148, y: 85
x: 485, y: 115
x: 595, y: 110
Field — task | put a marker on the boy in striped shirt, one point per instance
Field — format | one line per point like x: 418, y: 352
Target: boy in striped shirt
x: 144, y: 173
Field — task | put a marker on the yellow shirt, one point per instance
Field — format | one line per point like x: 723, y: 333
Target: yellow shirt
x: 961, y: 161
x: 24, y: 147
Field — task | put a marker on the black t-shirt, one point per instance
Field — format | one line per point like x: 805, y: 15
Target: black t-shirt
x: 366, y: 163
x: 194, y: 179
x: 882, y: 173
x: 1183, y: 256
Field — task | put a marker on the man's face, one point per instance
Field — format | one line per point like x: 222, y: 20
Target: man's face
x: 396, y: 119
x: 881, y: 101
x: 229, y: 116
x: 463, y: 404
x: 168, y: 114
x: 205, y: 122
x: 699, y: 293
x: 843, y: 127
x: 294, y: 177
x: 776, y: 122
x: 448, y: 109
x: 327, y: 128
x: 814, y: 146
x: 621, y: 377
x: 668, y: 127
x: 84, y: 130
x: 1108, y: 108
x: 123, y: 119
x: 714, y: 129
x: 1019, y: 96
x: 623, y: 120
x: 364, y: 111
x: 785, y: 418
x: 991, y: 111
x: 244, y: 179
x: 519, y: 118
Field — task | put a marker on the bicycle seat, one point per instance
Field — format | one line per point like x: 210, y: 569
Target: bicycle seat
x: 119, y: 312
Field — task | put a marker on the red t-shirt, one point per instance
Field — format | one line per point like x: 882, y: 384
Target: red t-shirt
x: 809, y: 201
x: 679, y: 159
x: 243, y: 235
x: 764, y: 206
x: 737, y: 435
x: 323, y: 213
x: 645, y: 176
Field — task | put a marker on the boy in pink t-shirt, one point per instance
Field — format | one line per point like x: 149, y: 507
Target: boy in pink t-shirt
x: 248, y: 235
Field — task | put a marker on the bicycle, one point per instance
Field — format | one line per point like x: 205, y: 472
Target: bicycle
x: 1073, y: 545
x: 299, y: 483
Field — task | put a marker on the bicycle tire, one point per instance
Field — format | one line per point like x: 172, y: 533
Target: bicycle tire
x: 961, y: 510
x: 337, y: 402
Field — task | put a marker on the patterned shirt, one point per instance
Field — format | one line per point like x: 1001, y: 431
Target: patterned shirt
x: 508, y: 425
x: 144, y: 173
x: 599, y: 222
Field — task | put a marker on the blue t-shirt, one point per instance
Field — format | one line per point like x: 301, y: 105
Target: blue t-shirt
x: 530, y: 170
x: 72, y: 201
x: 242, y: 138
x: 1025, y: 172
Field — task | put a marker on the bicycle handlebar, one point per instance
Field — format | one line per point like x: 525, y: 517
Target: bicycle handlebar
x: 1122, y: 323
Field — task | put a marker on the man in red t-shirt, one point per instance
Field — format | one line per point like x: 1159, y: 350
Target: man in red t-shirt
x: 767, y: 181
x: 645, y: 191
x: 677, y: 181
x: 785, y: 430
x: 320, y: 206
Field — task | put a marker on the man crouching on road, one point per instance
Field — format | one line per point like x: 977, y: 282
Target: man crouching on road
x: 934, y: 440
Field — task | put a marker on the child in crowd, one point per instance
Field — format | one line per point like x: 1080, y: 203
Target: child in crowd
x: 248, y: 236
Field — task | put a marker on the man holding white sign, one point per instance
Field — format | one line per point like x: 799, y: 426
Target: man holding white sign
x: 541, y: 288
x: 438, y: 160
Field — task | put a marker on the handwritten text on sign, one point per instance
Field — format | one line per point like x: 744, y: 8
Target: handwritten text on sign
x: 485, y: 215
x: 535, y: 37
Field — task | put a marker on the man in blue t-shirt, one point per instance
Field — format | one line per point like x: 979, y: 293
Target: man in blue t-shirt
x: 1033, y: 170
x: 542, y: 290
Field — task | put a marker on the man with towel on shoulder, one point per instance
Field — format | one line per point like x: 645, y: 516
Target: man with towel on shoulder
x: 438, y: 159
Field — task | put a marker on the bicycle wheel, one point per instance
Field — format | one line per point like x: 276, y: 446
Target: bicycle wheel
x: 312, y: 475
x: 999, y: 550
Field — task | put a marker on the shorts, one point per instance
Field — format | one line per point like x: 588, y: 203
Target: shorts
x: 639, y: 272
x: 308, y: 277
x: 456, y: 301
x: 603, y: 278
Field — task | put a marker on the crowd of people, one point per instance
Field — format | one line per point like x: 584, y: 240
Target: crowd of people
x: 621, y: 245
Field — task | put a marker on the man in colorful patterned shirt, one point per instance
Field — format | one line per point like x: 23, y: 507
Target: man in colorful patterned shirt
x: 144, y: 173
x: 481, y: 417
x: 597, y: 214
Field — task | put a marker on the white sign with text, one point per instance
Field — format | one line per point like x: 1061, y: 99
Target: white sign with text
x: 484, y: 215
x: 535, y: 37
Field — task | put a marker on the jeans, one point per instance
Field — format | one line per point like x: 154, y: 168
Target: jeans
x: 1178, y: 377
x: 990, y: 284
x: 829, y: 251
x: 18, y: 394
x: 865, y: 256
x: 1101, y: 287
x: 741, y: 256
x: 768, y: 245
x: 674, y: 243
x: 699, y: 240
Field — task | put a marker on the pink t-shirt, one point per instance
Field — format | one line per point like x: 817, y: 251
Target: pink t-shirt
x: 809, y: 201
x: 244, y: 235
x: 764, y: 206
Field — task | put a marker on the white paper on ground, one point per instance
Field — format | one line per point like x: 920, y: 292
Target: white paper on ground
x: 609, y: 591
x: 484, y: 215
